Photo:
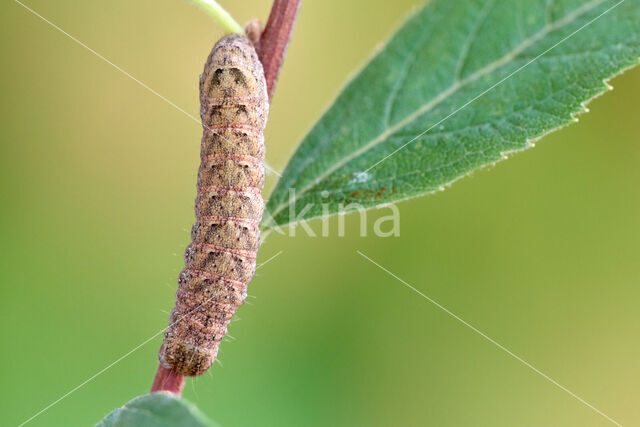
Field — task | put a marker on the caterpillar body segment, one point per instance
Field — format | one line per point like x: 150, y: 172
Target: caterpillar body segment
x: 220, y: 260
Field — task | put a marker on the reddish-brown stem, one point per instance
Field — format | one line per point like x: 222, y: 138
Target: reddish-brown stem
x: 275, y: 39
x: 167, y: 380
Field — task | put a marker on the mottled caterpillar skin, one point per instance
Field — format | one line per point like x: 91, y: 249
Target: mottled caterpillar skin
x: 220, y: 260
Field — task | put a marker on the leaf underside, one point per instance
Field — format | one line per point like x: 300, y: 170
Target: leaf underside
x: 460, y: 85
x: 156, y: 410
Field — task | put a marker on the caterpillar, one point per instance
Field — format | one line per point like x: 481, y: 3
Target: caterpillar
x: 220, y: 260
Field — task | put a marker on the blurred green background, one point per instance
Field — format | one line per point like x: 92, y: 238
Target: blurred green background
x: 97, y: 187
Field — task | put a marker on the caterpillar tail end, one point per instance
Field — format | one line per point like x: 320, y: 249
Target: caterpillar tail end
x: 185, y: 359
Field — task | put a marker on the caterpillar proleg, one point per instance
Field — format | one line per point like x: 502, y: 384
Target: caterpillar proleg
x: 220, y: 260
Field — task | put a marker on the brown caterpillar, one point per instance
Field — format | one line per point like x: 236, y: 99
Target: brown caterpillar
x: 220, y: 260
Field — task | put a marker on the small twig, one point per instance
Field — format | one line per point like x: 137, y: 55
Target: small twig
x: 275, y: 39
x: 221, y: 16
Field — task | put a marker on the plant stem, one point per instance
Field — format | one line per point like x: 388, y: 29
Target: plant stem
x: 167, y: 380
x: 221, y: 16
x: 275, y: 39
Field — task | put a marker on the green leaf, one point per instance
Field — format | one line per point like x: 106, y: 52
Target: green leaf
x: 156, y: 410
x: 461, y: 85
